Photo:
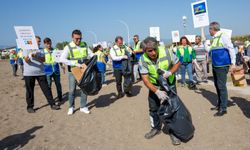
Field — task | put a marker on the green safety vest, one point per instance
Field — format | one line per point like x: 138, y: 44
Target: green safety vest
x: 120, y: 51
x: 77, y: 54
x: 216, y: 42
x: 181, y: 50
x: 137, y: 46
x: 49, y: 59
x: 163, y: 62
x: 220, y: 55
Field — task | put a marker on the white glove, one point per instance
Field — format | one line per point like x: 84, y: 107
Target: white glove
x: 162, y: 95
x: 125, y: 57
x: 167, y: 74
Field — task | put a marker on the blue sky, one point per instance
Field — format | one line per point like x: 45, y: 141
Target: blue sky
x: 57, y: 18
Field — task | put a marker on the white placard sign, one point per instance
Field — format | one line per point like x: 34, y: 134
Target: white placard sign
x: 57, y: 54
x: 200, y: 14
x: 26, y: 37
x: 175, y: 36
x: 228, y: 32
x: 155, y: 32
x: 19, y: 43
x: 191, y: 38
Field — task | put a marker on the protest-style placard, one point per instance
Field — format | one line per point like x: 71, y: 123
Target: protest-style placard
x: 26, y: 37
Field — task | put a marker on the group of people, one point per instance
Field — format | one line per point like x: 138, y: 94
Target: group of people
x: 129, y: 64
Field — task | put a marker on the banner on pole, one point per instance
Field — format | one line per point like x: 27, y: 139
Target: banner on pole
x: 175, y: 36
x: 200, y: 14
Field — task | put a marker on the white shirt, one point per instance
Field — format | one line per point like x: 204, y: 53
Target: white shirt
x: 113, y: 54
x: 65, y: 55
x: 226, y: 42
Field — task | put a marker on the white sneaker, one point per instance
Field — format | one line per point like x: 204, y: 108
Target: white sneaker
x: 85, y: 110
x: 71, y: 111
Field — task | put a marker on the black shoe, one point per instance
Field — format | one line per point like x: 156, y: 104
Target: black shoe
x: 152, y: 133
x: 129, y: 94
x: 175, y: 140
x: 214, y: 108
x: 55, y: 107
x: 120, y: 95
x: 220, y: 113
x: 31, y: 110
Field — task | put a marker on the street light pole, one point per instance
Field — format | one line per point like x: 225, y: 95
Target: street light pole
x: 94, y: 34
x: 203, y: 37
x: 126, y: 25
x: 184, y: 19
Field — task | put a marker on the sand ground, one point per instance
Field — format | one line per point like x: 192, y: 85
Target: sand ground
x: 116, y: 124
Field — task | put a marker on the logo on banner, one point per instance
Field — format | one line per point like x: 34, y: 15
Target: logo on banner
x: 199, y: 8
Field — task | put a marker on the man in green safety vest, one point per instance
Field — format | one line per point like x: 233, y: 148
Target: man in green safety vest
x: 51, y: 68
x: 138, y: 52
x: 157, y: 57
x: 223, y: 57
x: 74, y: 54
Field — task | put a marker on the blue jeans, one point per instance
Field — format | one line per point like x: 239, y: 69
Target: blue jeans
x: 57, y: 82
x: 103, y: 77
x: 72, y: 91
x: 189, y: 68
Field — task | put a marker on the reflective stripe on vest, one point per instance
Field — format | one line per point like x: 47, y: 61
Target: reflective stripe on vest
x: 216, y: 43
x: 49, y: 59
x: 77, y: 54
x: 163, y: 62
x: 50, y: 66
x: 137, y: 46
x: 99, y: 55
x: 119, y: 51
x: 181, y: 50
x: 219, y: 54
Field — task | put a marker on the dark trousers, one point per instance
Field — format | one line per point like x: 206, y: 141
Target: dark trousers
x: 14, y: 69
x: 56, y: 78
x: 30, y: 85
x: 127, y: 81
x: 154, y: 105
x: 220, y: 80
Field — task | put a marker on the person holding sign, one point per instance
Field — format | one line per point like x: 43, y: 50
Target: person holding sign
x: 51, y: 68
x: 34, y: 70
x: 74, y: 55
x: 157, y: 57
x: 223, y: 56
x: 186, y: 54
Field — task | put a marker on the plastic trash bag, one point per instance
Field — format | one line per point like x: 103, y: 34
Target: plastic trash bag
x: 174, y: 114
x: 91, y: 81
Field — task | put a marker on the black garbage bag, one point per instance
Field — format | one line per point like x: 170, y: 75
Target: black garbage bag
x: 174, y: 114
x: 91, y: 81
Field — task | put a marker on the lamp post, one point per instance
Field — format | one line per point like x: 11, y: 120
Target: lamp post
x: 184, y: 21
x: 126, y: 25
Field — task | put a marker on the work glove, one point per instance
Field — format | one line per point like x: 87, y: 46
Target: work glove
x: 167, y: 74
x: 162, y: 95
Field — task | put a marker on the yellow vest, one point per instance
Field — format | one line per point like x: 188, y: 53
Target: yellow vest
x: 76, y: 54
x: 181, y: 50
x: 163, y: 62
